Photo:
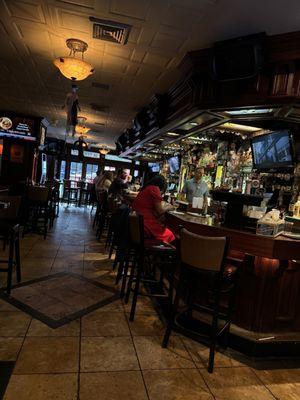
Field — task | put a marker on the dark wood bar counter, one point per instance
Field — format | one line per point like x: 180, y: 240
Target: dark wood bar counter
x: 269, y: 276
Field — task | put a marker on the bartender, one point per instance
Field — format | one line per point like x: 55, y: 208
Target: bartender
x: 196, y: 187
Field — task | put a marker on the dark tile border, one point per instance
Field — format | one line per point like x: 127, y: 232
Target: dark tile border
x: 71, y: 317
x: 6, y: 369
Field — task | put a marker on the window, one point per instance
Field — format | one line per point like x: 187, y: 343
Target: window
x: 91, y: 172
x: 91, y: 154
x: 62, y: 170
x: 116, y: 158
x: 75, y: 171
x: 108, y: 168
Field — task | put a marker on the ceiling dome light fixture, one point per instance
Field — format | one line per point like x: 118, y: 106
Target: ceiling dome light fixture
x: 82, y: 129
x: 71, y: 67
x: 104, y: 150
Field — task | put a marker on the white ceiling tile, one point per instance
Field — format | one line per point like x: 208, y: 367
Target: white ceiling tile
x: 156, y: 60
x: 137, y: 9
x: 73, y: 21
x: 25, y: 10
x: 171, y: 41
x: 181, y: 18
x: 83, y: 3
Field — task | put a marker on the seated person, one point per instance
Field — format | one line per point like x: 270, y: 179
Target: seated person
x: 149, y: 204
x: 104, y: 182
x: 119, y: 184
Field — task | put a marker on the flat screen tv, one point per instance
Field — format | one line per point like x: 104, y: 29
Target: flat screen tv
x: 272, y: 151
x: 15, y: 126
x: 174, y: 164
x: 155, y: 167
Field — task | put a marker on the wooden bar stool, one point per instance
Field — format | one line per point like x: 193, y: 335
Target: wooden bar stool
x: 140, y: 253
x: 11, y: 234
x: 201, y: 257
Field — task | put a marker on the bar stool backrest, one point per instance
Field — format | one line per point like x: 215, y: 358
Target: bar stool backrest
x: 136, y: 229
x: 203, y: 252
x: 38, y: 194
x: 12, y: 212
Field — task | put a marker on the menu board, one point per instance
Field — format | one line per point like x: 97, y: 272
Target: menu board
x: 18, y: 127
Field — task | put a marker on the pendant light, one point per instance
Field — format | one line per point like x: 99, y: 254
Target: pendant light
x: 104, y: 150
x: 72, y: 67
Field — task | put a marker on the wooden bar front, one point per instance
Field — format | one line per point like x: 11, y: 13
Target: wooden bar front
x: 269, y: 278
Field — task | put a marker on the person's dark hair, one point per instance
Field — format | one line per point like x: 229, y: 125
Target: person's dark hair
x: 120, y: 172
x: 157, y: 180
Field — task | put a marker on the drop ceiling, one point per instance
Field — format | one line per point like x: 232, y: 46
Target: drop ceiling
x: 33, y: 33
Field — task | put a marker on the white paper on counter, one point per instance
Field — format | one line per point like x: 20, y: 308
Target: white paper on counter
x: 197, y: 202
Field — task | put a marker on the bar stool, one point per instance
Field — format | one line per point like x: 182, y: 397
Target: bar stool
x: 140, y: 253
x: 208, y: 260
x: 70, y: 193
x: 38, y: 209
x: 10, y: 234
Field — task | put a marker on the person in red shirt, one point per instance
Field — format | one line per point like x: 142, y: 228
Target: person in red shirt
x: 148, y: 203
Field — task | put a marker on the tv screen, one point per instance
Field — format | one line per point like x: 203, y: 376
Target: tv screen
x: 17, y: 127
x: 155, y: 167
x: 272, y: 151
x: 174, y: 164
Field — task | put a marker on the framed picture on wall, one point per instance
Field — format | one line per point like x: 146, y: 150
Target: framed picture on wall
x: 17, y: 153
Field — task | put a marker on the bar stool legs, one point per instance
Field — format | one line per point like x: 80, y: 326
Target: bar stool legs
x: 140, y: 264
x: 13, y: 258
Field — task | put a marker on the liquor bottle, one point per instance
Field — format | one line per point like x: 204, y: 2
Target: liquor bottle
x: 297, y: 209
x: 292, y: 203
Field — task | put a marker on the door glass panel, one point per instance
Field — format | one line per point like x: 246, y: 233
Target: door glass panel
x: 75, y: 171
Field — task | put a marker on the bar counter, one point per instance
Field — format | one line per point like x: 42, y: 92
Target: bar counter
x: 268, y: 295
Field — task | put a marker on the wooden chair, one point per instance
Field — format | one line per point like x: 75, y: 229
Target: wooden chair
x: 10, y: 234
x: 141, y: 252
x: 203, y: 256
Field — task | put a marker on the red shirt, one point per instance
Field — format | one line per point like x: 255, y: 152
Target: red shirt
x: 144, y: 204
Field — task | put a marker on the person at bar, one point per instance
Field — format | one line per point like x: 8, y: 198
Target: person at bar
x: 149, y: 203
x: 104, y: 181
x: 196, y: 187
x: 119, y: 184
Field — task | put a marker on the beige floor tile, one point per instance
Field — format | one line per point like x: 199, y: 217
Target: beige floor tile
x: 67, y: 264
x: 41, y: 253
x: 37, y: 262
x: 112, y: 386
x: 144, y: 325
x: 95, y: 256
x: 179, y: 384
x: 72, y: 249
x: 200, y: 354
x: 48, y: 355
x: 13, y: 324
x: 9, y: 348
x: 144, y: 306
x: 153, y: 356
x: 114, y: 307
x: 69, y: 255
x: 235, y: 384
x: 37, y: 328
x: 94, y: 265
x: 4, y: 306
x: 42, y: 387
x: 283, y: 383
x: 108, y: 354
x: 100, y: 323
x: 107, y: 277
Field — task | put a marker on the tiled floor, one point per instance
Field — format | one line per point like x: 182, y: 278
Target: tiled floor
x: 102, y: 356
